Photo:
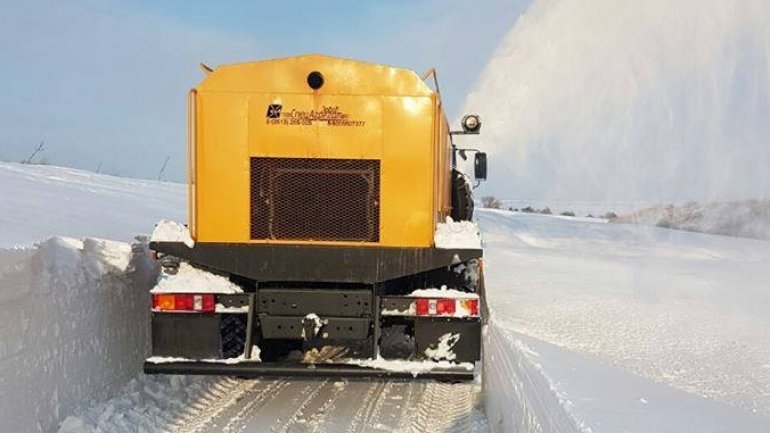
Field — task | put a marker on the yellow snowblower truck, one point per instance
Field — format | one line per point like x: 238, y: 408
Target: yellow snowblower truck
x: 321, y: 188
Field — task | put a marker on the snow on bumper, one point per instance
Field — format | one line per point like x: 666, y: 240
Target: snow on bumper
x: 443, y: 370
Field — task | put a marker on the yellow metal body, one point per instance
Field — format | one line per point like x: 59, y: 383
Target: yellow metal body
x: 368, y: 111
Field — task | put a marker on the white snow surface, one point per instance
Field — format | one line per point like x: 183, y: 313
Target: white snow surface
x: 457, y: 234
x: 675, y: 318
x: 193, y: 280
x: 172, y: 231
x: 442, y: 292
x: 413, y: 367
x: 595, y: 327
x: 74, y: 318
x: 38, y: 202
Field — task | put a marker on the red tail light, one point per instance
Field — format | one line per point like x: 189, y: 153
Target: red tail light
x: 469, y: 306
x: 422, y: 307
x: 447, y: 307
x: 188, y: 302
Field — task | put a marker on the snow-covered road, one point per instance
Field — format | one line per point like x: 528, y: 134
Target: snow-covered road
x: 342, y: 406
x: 186, y: 404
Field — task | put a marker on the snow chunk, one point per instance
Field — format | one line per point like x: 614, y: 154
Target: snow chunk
x: 103, y: 256
x: 192, y: 280
x: 255, y: 357
x: 172, y: 231
x: 443, y: 292
x: 317, y: 324
x: 457, y: 234
x: 413, y: 367
x: 219, y: 308
x: 444, y: 349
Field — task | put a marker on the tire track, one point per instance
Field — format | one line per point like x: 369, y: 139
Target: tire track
x: 328, y: 406
x: 446, y: 408
x: 372, y: 396
x: 208, y: 408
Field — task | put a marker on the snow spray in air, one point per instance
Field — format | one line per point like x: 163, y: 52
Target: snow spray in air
x: 630, y: 100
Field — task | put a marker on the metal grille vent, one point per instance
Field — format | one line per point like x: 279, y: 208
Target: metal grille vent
x: 315, y: 199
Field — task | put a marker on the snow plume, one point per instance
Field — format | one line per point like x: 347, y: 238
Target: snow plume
x: 748, y: 218
x: 624, y: 99
x: 73, y: 326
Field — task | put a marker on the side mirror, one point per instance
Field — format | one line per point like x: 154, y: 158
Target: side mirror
x: 480, y: 166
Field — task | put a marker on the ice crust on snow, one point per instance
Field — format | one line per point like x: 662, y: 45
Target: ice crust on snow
x: 172, y: 231
x: 189, y: 279
x: 457, y: 234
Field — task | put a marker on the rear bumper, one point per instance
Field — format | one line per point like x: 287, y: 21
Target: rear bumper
x: 316, y: 263
x: 261, y: 369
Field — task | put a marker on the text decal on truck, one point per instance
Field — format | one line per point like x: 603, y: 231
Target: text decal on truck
x: 333, y: 116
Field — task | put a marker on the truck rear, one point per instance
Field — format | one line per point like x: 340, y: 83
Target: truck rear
x: 328, y: 228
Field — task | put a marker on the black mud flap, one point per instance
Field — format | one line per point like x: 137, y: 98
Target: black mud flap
x: 261, y: 369
x: 465, y: 336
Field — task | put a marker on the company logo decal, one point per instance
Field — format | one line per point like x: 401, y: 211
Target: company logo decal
x: 332, y: 116
x: 274, y: 111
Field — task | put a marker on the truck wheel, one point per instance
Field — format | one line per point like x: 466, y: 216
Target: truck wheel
x: 462, y: 197
x: 233, y: 335
x: 397, y: 343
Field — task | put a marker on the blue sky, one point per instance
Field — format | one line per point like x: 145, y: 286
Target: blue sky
x: 104, y: 82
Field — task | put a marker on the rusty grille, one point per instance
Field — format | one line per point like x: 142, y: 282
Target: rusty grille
x: 315, y: 199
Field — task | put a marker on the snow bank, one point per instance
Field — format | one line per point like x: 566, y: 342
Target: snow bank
x: 457, y: 234
x: 534, y: 386
x: 591, y: 320
x: 73, y: 326
x: 193, y: 280
x: 172, y: 231
x: 517, y: 396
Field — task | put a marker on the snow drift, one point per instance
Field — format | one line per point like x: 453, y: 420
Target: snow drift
x: 59, y: 343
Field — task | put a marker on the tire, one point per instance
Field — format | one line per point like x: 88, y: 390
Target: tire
x: 462, y: 197
x: 397, y: 343
x: 233, y: 335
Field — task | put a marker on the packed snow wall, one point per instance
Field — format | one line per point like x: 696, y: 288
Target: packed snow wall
x: 518, y: 397
x: 73, y: 326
